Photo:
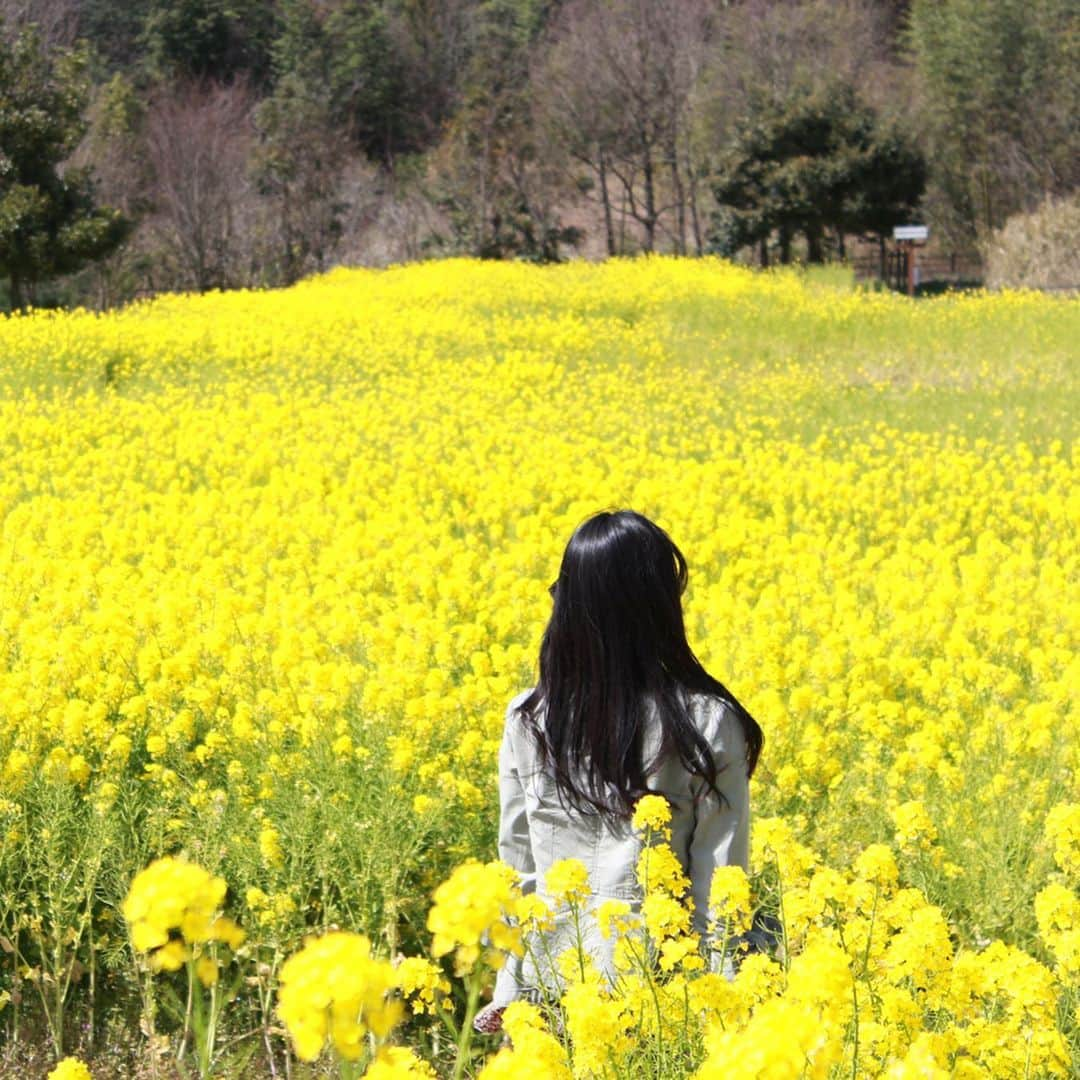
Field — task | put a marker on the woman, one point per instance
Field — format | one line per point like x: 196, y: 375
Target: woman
x: 623, y: 709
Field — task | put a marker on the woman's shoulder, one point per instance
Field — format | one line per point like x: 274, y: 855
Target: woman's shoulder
x: 518, y: 700
x: 715, y: 719
x: 514, y: 722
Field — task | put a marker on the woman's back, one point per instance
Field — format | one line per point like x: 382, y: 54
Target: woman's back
x: 538, y: 829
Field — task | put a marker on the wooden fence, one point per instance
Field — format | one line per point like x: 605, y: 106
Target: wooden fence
x: 932, y: 270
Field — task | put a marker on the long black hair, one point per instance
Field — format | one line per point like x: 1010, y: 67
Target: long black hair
x: 614, y: 651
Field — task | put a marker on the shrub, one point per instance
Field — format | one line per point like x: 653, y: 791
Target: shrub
x: 1037, y: 250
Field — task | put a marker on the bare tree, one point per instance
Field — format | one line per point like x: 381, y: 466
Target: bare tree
x: 772, y: 48
x: 585, y: 124
x: 198, y: 136
x: 690, y: 28
x: 618, y: 90
x: 57, y: 21
x: 493, y: 176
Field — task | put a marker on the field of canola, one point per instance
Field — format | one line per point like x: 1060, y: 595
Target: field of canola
x: 272, y: 564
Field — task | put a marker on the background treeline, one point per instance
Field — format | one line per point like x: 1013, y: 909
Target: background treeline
x: 163, y: 144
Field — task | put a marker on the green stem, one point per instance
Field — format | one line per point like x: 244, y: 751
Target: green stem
x: 211, y: 1029
x: 92, y: 970
x: 724, y: 943
x: 447, y: 1017
x: 348, y: 1070
x: 659, y: 1022
x: 39, y: 986
x: 855, y: 1044
x: 16, y: 987
x: 187, y: 1013
x: 58, y: 996
x: 870, y: 930
x: 783, y: 919
x: 580, y: 945
x: 854, y: 986
x: 151, y: 1028
x: 465, y: 1035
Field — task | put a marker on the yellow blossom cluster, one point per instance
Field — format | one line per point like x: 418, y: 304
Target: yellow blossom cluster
x: 422, y: 981
x: 333, y: 990
x: 534, y: 1050
x: 398, y: 1063
x: 567, y: 881
x: 173, y: 908
x: 70, y: 1068
x: 272, y: 564
x: 729, y: 899
x: 471, y: 915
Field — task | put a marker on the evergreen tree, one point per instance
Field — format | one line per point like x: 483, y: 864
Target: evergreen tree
x: 115, y: 31
x: 215, y: 39
x: 298, y: 164
x: 818, y: 161
x: 365, y: 79
x: 1001, y: 92
x: 49, y: 224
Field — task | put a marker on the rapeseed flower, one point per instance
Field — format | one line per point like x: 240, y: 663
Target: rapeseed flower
x: 174, y: 905
x: 253, y: 579
x: 652, y: 813
x: 536, y: 1052
x: 567, y: 882
x: 729, y: 898
x: 1063, y: 831
x: 422, y: 981
x: 398, y: 1063
x: 474, y: 906
x: 334, y: 991
x: 70, y: 1069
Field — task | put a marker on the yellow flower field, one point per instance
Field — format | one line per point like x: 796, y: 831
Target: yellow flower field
x: 273, y: 564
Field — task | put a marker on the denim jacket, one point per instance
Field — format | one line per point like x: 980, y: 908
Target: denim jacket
x: 535, y: 831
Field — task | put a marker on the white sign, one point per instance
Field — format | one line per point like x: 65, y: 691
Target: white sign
x: 911, y: 232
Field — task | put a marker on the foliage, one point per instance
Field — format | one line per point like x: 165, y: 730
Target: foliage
x: 365, y: 81
x: 542, y: 127
x: 1000, y: 98
x: 216, y: 39
x: 492, y: 177
x: 299, y: 163
x: 115, y: 31
x: 49, y: 223
x: 820, y: 160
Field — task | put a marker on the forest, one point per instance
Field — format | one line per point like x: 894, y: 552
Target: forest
x: 158, y: 145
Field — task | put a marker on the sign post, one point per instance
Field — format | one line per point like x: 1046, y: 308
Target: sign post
x: 909, y: 237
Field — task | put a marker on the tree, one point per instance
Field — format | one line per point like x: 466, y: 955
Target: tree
x: 1000, y: 101
x: 768, y: 50
x: 584, y: 124
x: 197, y: 143
x: 345, y: 54
x: 822, y: 160
x: 767, y: 53
x: 209, y: 39
x: 49, y: 223
x: 56, y: 21
x: 298, y: 164
x: 433, y: 41
x: 365, y: 80
x: 496, y: 180
x: 618, y: 91
x: 889, y: 183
